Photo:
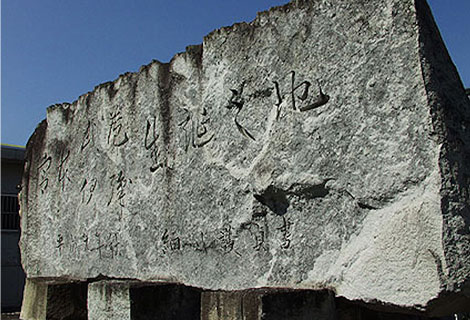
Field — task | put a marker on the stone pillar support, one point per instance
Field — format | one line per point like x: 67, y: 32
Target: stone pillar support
x: 230, y: 306
x: 54, y: 300
x: 34, y: 306
x: 109, y: 300
x: 299, y: 305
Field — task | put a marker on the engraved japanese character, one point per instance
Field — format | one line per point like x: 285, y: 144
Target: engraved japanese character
x: 116, y: 135
x: 118, y: 187
x: 237, y: 102
x: 100, y: 245
x: 225, y: 238
x: 258, y: 231
x: 63, y: 170
x: 299, y: 94
x: 87, y: 189
x: 60, y: 242
x: 285, y: 231
x: 151, y: 137
x: 86, y: 136
x: 43, y: 172
x: 85, y: 240
x: 170, y: 242
x: 195, y: 129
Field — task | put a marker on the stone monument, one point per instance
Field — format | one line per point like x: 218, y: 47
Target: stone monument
x: 323, y: 147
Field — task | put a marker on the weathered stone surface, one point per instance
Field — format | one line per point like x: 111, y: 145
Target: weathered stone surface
x: 229, y: 168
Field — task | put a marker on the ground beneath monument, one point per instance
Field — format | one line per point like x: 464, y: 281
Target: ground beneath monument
x: 11, y: 316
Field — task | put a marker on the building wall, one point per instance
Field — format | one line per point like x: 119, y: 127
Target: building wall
x: 13, y: 277
x: 11, y: 177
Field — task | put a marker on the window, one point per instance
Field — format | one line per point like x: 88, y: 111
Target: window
x: 10, y: 212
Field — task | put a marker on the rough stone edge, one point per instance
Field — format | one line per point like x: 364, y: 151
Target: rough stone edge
x: 191, y: 50
x: 34, y: 148
x: 449, y: 108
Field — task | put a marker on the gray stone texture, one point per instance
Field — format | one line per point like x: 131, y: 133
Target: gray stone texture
x: 325, y: 145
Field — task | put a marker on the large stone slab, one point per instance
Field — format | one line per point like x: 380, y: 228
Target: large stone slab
x: 325, y: 145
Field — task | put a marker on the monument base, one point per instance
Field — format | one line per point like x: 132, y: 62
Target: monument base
x: 136, y: 300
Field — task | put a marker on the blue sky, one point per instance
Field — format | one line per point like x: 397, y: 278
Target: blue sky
x: 55, y: 50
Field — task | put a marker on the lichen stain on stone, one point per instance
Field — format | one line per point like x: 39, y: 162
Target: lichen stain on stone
x: 195, y: 52
x: 58, y: 147
x: 164, y: 80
